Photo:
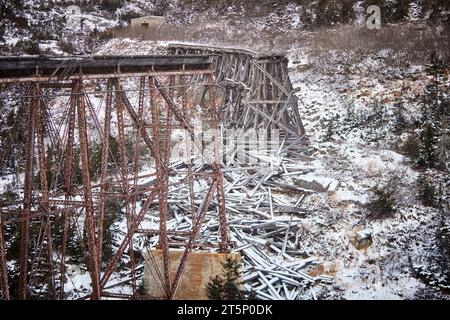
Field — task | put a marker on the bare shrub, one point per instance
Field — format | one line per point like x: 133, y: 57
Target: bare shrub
x: 219, y: 32
x: 415, y: 42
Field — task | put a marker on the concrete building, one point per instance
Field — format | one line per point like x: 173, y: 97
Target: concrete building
x: 146, y: 22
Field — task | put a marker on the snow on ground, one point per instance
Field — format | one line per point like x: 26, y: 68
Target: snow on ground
x: 132, y: 47
x: 383, y: 269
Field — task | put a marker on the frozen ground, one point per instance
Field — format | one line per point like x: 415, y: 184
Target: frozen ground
x: 383, y: 268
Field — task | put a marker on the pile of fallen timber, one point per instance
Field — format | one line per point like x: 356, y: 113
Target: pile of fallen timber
x: 275, y: 259
x: 264, y: 214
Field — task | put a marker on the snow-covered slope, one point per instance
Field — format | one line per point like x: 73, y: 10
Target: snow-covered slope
x: 53, y: 27
x: 402, y: 255
x: 350, y: 99
x: 400, y: 245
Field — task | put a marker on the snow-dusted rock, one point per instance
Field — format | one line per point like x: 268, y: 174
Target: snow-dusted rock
x: 316, y: 183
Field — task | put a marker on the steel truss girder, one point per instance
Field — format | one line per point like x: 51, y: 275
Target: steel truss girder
x: 72, y: 201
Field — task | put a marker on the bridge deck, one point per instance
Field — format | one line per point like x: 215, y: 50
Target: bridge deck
x: 32, y: 67
x: 260, y: 55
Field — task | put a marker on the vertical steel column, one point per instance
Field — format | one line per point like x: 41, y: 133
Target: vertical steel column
x: 4, y: 285
x: 125, y: 184
x: 104, y: 169
x: 188, y: 144
x: 68, y: 174
x: 28, y: 189
x: 223, y: 226
x: 44, y: 205
x: 162, y: 187
x: 137, y: 153
x: 139, y: 129
x: 89, y: 208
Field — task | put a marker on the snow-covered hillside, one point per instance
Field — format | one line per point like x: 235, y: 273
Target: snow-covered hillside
x: 364, y: 97
x: 55, y: 27
x: 361, y: 159
x: 397, y: 257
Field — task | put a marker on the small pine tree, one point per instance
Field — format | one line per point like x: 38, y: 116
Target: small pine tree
x: 351, y: 119
x: 397, y: 10
x: 427, y: 193
x: 428, y: 146
x: 307, y: 17
x: 331, y: 128
x: 215, y: 288
x: 95, y: 161
x: 226, y: 285
x: 112, y: 215
x: 348, y: 13
x: 378, y: 116
x: 410, y: 147
x: 436, y: 88
x: 400, y: 122
x: 77, y: 174
x: 382, y: 205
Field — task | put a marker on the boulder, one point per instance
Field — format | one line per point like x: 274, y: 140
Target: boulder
x: 362, y: 239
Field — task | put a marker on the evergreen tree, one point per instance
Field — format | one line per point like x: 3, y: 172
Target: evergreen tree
x: 348, y: 14
x: 428, y: 140
x: 427, y: 193
x: 400, y: 122
x: 54, y: 167
x: 434, y: 103
x: 95, y: 160
x: 397, y: 10
x: 382, y: 204
x: 226, y: 286
x: 12, y: 137
x: 113, y: 214
x: 434, y: 119
x: 111, y: 5
x: 307, y: 17
x: 376, y: 121
x: 410, y: 147
x: 328, y: 13
x: 215, y: 288
x: 331, y: 129
x: 77, y: 175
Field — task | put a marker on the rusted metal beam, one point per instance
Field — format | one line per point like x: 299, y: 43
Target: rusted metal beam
x: 171, y: 104
x: 89, y: 208
x: 64, y: 67
x: 100, y: 76
x: 129, y: 236
x: 27, y: 199
x: 44, y: 204
x: 125, y: 183
x: 162, y: 186
x: 104, y: 167
x: 4, y: 285
x: 137, y: 121
x: 200, y: 217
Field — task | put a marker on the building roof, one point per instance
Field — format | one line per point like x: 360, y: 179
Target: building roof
x: 149, y: 17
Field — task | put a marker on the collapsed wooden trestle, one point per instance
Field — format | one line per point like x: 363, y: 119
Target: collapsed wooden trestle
x: 72, y: 102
